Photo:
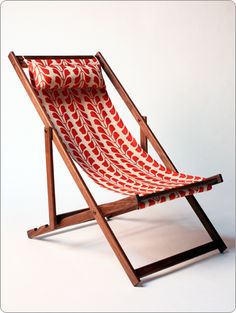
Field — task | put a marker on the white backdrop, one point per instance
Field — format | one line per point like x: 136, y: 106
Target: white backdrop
x: 176, y: 60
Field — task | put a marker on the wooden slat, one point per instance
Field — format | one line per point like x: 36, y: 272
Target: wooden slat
x: 114, y: 208
x: 63, y: 216
x: 208, y: 181
x: 119, y: 207
x: 175, y: 259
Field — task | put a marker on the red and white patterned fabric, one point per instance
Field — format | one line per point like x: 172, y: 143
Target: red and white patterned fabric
x: 62, y: 74
x: 95, y: 135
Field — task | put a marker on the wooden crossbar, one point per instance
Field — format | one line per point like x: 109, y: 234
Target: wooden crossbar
x: 175, y: 259
x: 110, y: 209
x: 208, y: 181
x: 22, y: 62
x: 101, y: 212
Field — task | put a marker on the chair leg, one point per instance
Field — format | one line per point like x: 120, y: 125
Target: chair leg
x: 115, y: 245
x: 206, y: 223
x: 96, y: 211
x: 50, y: 178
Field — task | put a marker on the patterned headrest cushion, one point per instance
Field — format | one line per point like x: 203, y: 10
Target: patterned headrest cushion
x: 66, y: 73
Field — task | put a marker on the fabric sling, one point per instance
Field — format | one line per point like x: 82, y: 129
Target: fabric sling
x: 74, y: 95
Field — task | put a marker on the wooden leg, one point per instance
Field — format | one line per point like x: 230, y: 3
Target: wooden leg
x: 143, y: 137
x: 50, y: 178
x: 114, y: 243
x: 97, y: 212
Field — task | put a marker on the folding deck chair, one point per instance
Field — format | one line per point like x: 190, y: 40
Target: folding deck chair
x: 69, y: 93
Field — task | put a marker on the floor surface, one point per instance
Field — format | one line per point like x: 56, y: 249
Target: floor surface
x: 75, y: 270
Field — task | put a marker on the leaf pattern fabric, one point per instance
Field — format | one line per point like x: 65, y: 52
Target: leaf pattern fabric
x: 62, y: 74
x: 74, y: 95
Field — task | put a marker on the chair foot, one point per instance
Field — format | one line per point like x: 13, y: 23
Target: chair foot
x: 222, y: 247
x: 39, y: 231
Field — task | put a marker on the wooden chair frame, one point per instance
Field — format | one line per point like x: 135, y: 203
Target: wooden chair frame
x: 101, y: 212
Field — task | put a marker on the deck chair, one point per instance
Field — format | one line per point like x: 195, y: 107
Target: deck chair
x: 70, y: 95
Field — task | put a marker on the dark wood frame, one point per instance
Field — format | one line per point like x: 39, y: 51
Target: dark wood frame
x: 101, y: 212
